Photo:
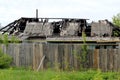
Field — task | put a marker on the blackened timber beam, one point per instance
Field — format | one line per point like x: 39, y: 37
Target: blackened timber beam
x: 64, y: 18
x: 54, y: 18
x: 10, y: 26
x: 6, y: 26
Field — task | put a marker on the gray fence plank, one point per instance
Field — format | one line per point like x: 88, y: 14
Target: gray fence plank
x: 62, y: 56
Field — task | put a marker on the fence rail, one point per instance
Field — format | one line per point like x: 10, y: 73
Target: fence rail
x: 62, y: 56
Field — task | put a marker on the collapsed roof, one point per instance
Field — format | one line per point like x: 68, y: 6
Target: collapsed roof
x: 60, y: 27
x: 45, y: 27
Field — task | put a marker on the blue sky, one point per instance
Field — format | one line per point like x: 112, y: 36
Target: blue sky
x: 94, y: 10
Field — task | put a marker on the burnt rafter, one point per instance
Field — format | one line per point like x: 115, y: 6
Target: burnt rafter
x: 61, y: 27
x: 19, y: 25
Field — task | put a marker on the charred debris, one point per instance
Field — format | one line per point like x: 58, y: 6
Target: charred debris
x: 42, y: 28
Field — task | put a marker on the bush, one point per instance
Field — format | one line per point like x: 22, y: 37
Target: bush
x: 5, y: 60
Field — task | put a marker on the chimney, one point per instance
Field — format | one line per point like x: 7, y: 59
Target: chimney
x: 36, y: 13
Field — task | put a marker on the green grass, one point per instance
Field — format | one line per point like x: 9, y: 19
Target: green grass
x: 22, y: 74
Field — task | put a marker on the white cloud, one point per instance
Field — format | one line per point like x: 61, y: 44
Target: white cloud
x: 92, y: 9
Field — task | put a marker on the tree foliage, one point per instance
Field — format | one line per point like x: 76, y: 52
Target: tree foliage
x: 116, y: 20
x: 5, y: 60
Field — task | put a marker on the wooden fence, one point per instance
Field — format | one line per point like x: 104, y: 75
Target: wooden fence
x: 62, y: 56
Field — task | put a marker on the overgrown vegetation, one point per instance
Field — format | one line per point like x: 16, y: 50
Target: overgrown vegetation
x: 5, y: 59
x: 4, y: 39
x: 21, y: 74
x: 116, y: 33
x: 82, y: 58
x: 116, y: 20
x: 84, y: 50
x: 14, y: 39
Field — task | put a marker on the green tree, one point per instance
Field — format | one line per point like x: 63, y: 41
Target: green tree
x: 116, y: 20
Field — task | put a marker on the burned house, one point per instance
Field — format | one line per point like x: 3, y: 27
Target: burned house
x: 43, y: 28
x: 38, y: 29
x: 102, y: 28
x: 62, y: 39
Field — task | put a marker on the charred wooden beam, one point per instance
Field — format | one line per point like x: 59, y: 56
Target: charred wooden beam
x: 18, y: 24
x: 65, y: 18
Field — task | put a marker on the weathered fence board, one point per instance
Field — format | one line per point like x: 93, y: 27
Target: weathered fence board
x: 62, y: 56
x: 96, y: 59
x: 115, y: 60
x: 118, y: 60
